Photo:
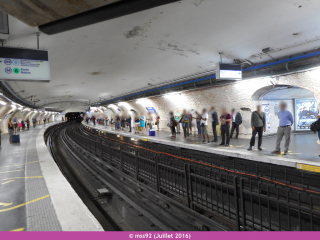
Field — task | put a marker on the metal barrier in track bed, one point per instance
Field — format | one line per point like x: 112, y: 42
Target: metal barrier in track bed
x: 247, y: 202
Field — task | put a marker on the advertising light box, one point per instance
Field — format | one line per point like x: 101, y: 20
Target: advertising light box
x: 19, y: 64
x: 228, y: 71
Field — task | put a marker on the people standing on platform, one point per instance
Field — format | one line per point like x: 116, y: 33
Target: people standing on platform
x: 190, y: 122
x: 258, y: 125
x: 28, y: 123
x: 198, y: 121
x: 214, y: 123
x: 158, y: 122
x: 106, y: 121
x: 11, y: 130
x: 44, y: 121
x: 204, y: 125
x: 225, y: 120
x: 177, y: 119
x: 93, y: 120
x: 20, y: 126
x: 172, y: 124
x: 137, y: 122
x: 236, y: 122
x: 143, y: 124
x: 284, y: 130
x: 185, y: 123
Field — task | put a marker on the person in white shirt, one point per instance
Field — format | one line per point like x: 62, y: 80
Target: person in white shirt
x: 204, y: 125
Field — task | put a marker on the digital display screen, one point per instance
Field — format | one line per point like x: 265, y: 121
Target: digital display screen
x: 230, y: 74
x: 20, y: 64
x: 228, y: 71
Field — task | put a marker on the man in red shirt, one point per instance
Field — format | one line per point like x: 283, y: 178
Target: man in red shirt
x: 225, y: 120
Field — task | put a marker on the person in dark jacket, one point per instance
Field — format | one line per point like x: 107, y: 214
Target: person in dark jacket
x: 236, y: 122
x: 28, y: 123
x: 214, y: 122
x: 129, y: 119
x: 258, y: 124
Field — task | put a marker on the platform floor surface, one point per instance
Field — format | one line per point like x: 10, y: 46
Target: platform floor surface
x: 303, y: 145
x: 25, y: 204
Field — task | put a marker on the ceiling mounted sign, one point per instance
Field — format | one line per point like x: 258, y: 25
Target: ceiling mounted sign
x: 19, y: 64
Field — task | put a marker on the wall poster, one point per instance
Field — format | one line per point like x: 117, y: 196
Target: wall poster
x: 266, y: 110
x: 306, y: 112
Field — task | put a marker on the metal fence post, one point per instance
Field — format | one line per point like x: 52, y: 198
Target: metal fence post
x: 110, y: 153
x: 137, y: 164
x: 121, y: 160
x: 157, y: 174
x: 101, y: 150
x: 236, y: 203
x: 191, y: 188
x: 187, y: 184
x: 243, y: 208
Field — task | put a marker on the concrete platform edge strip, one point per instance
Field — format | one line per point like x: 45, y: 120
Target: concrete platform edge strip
x: 288, y: 162
x: 72, y: 213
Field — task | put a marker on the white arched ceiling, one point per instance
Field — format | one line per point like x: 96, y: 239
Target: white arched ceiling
x: 278, y: 92
x: 147, y: 48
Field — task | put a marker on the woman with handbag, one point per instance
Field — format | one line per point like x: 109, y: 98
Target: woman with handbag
x: 172, y: 123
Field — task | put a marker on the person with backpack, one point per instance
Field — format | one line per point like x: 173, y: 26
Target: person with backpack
x: 177, y: 119
x: 185, y: 123
x: 236, y: 122
x: 258, y: 125
x: 172, y: 123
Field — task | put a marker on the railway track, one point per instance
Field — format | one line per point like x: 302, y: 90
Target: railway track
x: 169, y: 193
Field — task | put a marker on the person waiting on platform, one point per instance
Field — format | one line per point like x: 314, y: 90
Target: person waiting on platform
x: 137, y: 122
x: 236, y: 122
x: 258, y: 124
x: 172, y: 124
x: 11, y: 130
x: 225, y: 120
x: 198, y: 121
x: 190, y: 122
x: 129, y: 119
x: 158, y: 122
x: 149, y: 120
x: 284, y: 129
x: 214, y: 122
x: 177, y: 119
x: 28, y: 123
x: 204, y: 125
x: 185, y: 123
x: 143, y: 124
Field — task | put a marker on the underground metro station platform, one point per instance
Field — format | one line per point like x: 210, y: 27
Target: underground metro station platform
x: 72, y: 70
